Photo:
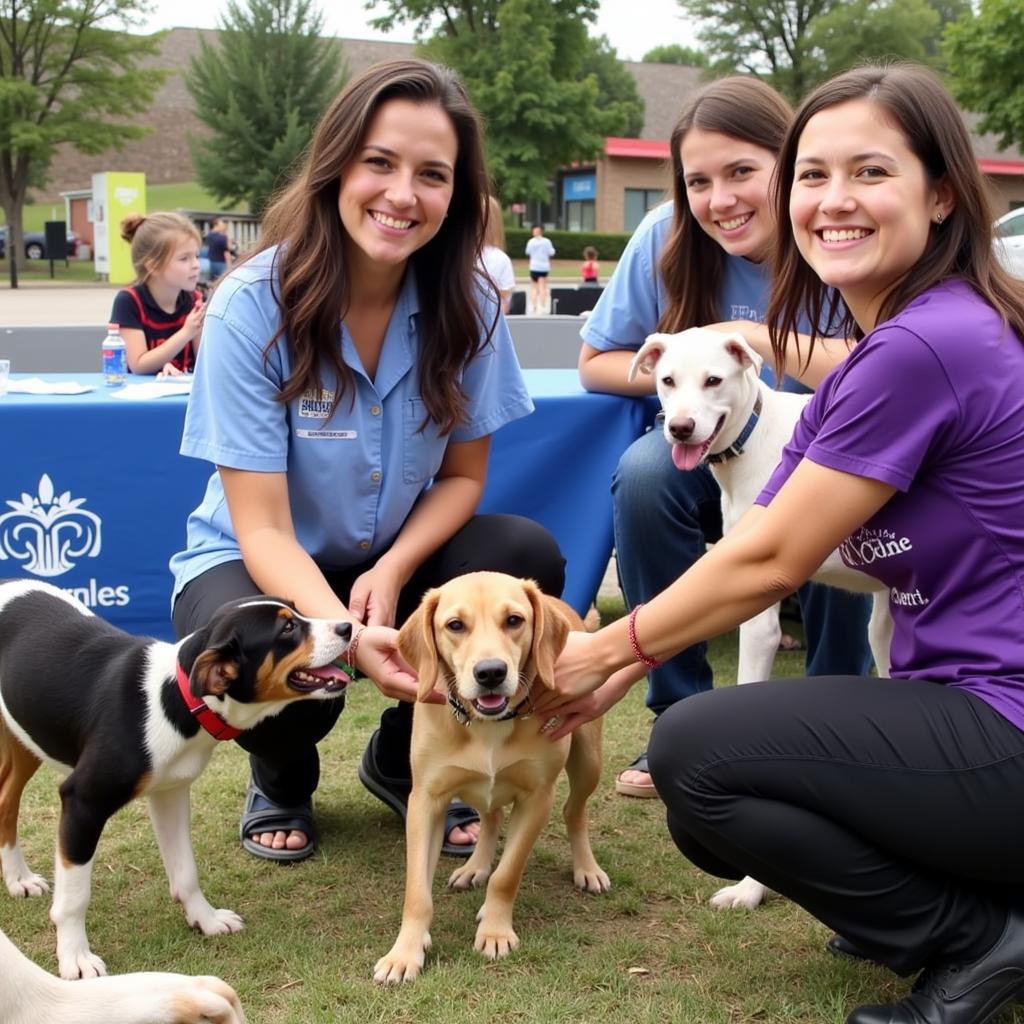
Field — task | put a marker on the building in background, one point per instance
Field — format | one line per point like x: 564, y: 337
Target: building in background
x: 611, y: 194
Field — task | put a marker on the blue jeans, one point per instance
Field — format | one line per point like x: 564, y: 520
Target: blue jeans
x: 664, y: 518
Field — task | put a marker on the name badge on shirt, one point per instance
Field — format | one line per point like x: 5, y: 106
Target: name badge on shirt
x: 316, y: 404
x: 328, y: 435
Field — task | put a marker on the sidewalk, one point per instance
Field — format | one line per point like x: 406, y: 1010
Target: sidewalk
x: 45, y: 303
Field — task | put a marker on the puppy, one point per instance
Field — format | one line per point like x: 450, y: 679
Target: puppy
x: 124, y: 716
x: 484, y: 639
x: 718, y: 411
x: 29, y: 995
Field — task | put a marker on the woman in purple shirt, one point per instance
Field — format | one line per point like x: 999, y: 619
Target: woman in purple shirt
x: 888, y: 808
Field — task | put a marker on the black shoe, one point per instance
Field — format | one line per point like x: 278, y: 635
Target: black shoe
x: 842, y: 947
x: 972, y: 993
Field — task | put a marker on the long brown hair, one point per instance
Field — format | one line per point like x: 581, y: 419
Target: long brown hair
x: 314, y: 288
x: 914, y: 101
x: 153, y: 239
x: 693, y: 263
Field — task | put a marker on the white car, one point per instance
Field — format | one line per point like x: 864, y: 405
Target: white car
x: 1010, y: 241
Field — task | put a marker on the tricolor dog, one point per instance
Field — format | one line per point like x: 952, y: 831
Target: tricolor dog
x: 484, y: 639
x: 126, y: 716
x: 28, y: 995
x: 718, y: 411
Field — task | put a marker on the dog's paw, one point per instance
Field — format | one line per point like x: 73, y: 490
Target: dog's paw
x: 218, y: 922
x: 201, y: 999
x: 590, y: 878
x: 748, y: 893
x: 27, y: 885
x: 495, y: 937
x: 469, y: 876
x: 82, y: 963
x: 403, y: 962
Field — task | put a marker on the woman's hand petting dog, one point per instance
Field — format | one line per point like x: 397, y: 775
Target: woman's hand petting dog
x: 578, y: 672
x: 575, y: 713
x: 380, y: 659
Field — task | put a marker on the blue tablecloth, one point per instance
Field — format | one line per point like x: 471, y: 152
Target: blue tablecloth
x: 94, y: 495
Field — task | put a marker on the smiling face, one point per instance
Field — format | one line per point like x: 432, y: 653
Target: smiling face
x: 862, y: 206
x: 395, y: 194
x: 726, y: 181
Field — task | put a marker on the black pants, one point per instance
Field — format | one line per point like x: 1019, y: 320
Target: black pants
x: 283, y: 755
x: 889, y: 809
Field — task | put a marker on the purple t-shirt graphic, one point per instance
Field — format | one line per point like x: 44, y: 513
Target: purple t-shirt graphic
x: 932, y: 402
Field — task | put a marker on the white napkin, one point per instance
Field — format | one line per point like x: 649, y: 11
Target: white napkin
x: 38, y: 386
x: 154, y: 389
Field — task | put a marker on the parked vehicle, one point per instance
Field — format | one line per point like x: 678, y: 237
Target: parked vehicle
x: 35, y: 244
x: 1010, y: 241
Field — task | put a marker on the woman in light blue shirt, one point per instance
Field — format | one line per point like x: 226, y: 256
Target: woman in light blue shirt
x: 353, y: 371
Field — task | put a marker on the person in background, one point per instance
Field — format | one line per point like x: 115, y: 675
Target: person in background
x: 161, y: 315
x: 885, y: 807
x: 540, y: 250
x: 590, y: 269
x: 696, y: 261
x: 353, y: 371
x: 493, y: 257
x: 219, y: 249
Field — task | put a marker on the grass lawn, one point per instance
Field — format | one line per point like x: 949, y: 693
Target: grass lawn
x: 649, y: 952
x: 76, y: 272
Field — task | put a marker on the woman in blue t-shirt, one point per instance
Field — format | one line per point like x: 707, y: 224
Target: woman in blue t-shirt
x: 697, y: 261
x: 351, y: 374
x: 887, y: 808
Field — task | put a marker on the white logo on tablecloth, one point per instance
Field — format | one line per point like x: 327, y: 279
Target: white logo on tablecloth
x: 49, y: 531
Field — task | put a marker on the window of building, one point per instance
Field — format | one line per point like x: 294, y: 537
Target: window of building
x: 638, y: 202
x: 580, y: 216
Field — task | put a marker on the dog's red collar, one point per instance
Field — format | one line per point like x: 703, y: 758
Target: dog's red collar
x: 209, y: 720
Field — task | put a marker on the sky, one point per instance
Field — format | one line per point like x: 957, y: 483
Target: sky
x: 631, y: 32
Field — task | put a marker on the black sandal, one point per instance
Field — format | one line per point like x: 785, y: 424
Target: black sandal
x: 647, y: 792
x: 261, y: 815
x: 395, y: 793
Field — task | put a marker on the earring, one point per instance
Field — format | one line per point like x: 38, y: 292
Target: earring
x: 938, y: 218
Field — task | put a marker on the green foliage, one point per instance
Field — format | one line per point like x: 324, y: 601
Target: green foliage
x: 673, y: 53
x: 797, y: 44
x: 569, y: 245
x: 533, y: 76
x: 616, y: 87
x: 260, y: 90
x: 65, y: 78
x: 985, y: 55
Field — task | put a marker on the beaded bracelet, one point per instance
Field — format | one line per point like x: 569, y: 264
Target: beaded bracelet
x: 353, y: 646
x: 638, y: 653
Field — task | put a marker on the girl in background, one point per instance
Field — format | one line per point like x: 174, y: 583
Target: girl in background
x: 493, y: 257
x: 161, y: 315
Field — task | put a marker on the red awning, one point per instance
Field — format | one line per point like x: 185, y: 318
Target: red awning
x: 642, y: 149
x: 1012, y: 168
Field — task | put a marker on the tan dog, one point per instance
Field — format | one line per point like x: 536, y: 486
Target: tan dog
x: 484, y: 639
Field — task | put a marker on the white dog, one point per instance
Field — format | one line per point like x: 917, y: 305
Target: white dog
x: 28, y: 995
x: 718, y: 411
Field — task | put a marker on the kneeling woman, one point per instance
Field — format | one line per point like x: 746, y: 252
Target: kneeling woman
x: 885, y: 807
x: 350, y: 377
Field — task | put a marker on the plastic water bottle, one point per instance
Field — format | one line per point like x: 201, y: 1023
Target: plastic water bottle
x: 115, y: 357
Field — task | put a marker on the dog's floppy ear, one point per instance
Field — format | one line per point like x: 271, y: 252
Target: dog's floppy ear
x: 416, y: 642
x: 215, y: 669
x: 646, y: 359
x: 550, y: 629
x: 739, y: 348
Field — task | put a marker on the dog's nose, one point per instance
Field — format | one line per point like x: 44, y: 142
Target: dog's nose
x: 490, y: 673
x: 681, y: 430
x: 344, y: 630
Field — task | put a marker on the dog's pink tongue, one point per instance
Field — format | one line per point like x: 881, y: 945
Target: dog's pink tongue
x: 687, y: 456
x: 490, y: 700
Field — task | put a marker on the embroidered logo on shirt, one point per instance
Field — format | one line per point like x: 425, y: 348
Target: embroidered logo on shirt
x: 867, y: 546
x: 316, y: 404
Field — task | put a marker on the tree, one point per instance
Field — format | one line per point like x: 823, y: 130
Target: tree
x: 260, y: 90
x: 616, y: 88
x: 984, y: 55
x: 796, y: 44
x: 66, y: 79
x: 673, y: 53
x: 531, y: 73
